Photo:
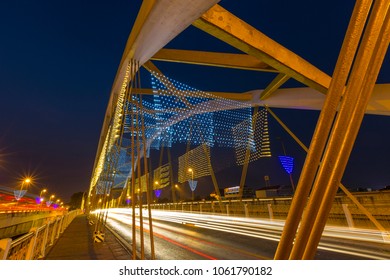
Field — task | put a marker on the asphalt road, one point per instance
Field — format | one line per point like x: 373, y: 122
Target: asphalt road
x: 188, y: 236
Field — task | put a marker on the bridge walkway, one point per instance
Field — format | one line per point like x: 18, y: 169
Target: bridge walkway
x: 76, y: 243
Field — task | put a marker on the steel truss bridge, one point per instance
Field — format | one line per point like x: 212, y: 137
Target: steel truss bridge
x: 139, y: 119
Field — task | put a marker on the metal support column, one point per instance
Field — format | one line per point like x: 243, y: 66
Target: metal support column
x: 340, y: 142
x: 363, y: 77
x: 323, y: 127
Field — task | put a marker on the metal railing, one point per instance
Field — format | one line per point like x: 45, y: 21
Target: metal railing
x: 343, y: 213
x: 34, y: 245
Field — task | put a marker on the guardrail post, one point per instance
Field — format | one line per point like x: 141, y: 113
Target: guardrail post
x: 246, y: 210
x: 53, y: 232
x: 31, y: 246
x: 64, y: 222
x: 59, y: 221
x: 200, y: 208
x: 5, y: 245
x: 227, y: 209
x: 44, y: 243
x: 348, y: 215
x: 270, y: 211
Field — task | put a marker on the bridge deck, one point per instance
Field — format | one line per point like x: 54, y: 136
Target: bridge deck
x: 76, y: 243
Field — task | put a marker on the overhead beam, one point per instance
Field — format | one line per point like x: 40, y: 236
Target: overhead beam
x: 226, y: 95
x: 217, y: 59
x: 157, y: 23
x: 299, y: 98
x: 225, y: 26
x: 274, y: 85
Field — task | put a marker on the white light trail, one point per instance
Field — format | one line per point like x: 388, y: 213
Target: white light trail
x: 333, y: 237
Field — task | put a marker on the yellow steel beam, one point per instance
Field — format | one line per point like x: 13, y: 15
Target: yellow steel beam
x: 227, y: 95
x: 341, y: 186
x: 130, y: 48
x: 274, y: 85
x: 143, y: 14
x: 157, y: 23
x: 222, y: 24
x: 299, y: 98
x: 233, y: 96
x: 217, y: 59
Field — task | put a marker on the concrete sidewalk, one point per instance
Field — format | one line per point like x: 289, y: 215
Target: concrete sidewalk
x: 76, y: 243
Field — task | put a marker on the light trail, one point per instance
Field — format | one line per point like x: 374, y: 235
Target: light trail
x: 335, y: 239
x: 120, y: 223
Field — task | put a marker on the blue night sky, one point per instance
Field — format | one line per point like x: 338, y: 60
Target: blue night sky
x: 58, y: 60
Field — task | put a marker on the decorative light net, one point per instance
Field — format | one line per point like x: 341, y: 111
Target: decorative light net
x: 185, y: 114
x: 197, y: 160
x: 251, y: 138
x: 161, y: 177
x: 177, y: 113
x: 287, y: 163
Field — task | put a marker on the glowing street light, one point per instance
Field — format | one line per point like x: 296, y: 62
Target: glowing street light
x: 19, y: 194
x: 192, y: 182
x: 50, y: 200
x: 179, y: 190
x: 25, y: 181
x: 42, y: 191
x: 41, y: 198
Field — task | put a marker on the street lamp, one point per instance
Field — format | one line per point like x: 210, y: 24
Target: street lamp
x: 41, y: 199
x: 40, y: 194
x: 19, y: 195
x: 192, y: 181
x: 42, y: 191
x: 178, y: 189
x: 49, y: 201
x: 25, y: 181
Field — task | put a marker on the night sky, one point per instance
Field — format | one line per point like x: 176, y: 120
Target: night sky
x: 58, y: 60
